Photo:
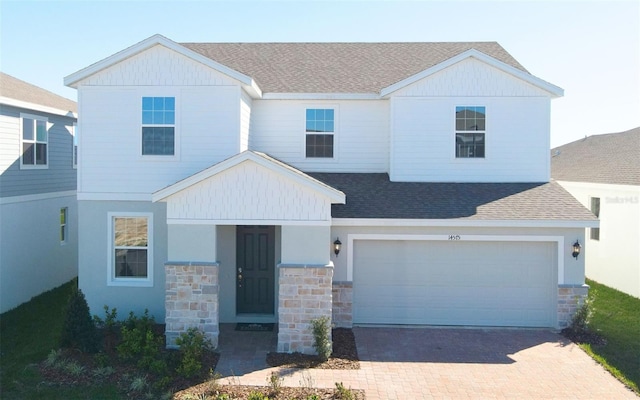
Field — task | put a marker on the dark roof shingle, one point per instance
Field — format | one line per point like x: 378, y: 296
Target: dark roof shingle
x: 17, y: 89
x: 612, y: 158
x: 375, y: 196
x: 338, y: 67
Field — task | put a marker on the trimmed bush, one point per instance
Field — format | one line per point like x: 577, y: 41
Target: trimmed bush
x: 78, y: 329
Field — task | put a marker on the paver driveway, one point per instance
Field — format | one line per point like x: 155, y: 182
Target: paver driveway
x: 425, y: 363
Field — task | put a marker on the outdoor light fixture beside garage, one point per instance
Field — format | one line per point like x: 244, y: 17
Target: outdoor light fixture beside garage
x: 576, y: 249
x: 336, y: 246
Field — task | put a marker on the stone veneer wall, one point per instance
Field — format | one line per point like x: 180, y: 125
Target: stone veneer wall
x: 342, y: 313
x: 191, y: 300
x: 570, y: 298
x: 304, y: 295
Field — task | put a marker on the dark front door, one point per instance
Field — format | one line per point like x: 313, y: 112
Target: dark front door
x: 255, y: 262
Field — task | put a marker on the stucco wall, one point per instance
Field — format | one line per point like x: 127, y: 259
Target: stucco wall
x: 93, y: 259
x: 614, y: 260
x: 32, y: 258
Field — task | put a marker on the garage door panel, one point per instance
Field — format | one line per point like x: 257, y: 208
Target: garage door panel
x: 454, y: 283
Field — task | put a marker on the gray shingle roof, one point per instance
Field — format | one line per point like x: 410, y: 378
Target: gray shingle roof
x: 612, y: 158
x: 17, y: 89
x: 338, y: 67
x: 375, y: 196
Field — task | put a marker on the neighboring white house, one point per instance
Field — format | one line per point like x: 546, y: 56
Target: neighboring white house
x: 38, y: 207
x: 217, y: 178
x: 603, y: 173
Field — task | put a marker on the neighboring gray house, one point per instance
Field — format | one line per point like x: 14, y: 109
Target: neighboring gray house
x: 603, y: 173
x: 38, y: 205
x: 216, y: 179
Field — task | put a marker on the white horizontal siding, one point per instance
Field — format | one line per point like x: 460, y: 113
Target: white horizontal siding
x: 207, y: 126
x: 517, y: 140
x: 158, y: 66
x: 471, y: 77
x: 361, y: 138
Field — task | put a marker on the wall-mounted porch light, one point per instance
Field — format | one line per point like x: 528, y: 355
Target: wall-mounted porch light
x: 576, y: 249
x: 336, y: 246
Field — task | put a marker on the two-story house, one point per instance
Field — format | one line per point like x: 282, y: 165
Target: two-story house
x: 374, y: 183
x: 603, y: 173
x: 38, y: 207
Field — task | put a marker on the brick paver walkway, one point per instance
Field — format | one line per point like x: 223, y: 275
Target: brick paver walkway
x: 426, y: 363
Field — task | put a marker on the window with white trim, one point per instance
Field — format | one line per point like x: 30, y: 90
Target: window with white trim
x: 594, y: 233
x: 63, y: 225
x: 158, y: 126
x: 130, y: 249
x: 320, y: 129
x: 74, y: 148
x: 470, y: 131
x: 35, y: 141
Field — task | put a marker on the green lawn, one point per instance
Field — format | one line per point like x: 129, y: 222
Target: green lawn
x: 27, y: 334
x: 617, y: 319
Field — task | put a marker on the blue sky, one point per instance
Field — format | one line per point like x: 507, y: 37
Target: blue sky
x: 589, y: 48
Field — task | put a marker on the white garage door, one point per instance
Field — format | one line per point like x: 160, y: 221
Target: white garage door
x: 454, y: 283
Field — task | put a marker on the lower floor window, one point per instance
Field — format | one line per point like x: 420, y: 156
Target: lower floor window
x: 63, y: 225
x: 130, y: 256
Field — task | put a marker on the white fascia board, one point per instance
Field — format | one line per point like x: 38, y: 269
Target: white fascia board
x: 464, y: 223
x: 37, y: 107
x: 183, y: 221
x: 334, y: 194
x: 148, y: 43
x: 553, y: 90
x: 321, y: 96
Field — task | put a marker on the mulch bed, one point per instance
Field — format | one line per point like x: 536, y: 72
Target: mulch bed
x: 344, y: 356
x: 584, y: 337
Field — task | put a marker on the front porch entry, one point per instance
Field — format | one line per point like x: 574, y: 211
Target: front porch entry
x: 280, y: 219
x: 255, y: 269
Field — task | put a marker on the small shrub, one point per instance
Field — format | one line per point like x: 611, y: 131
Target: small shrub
x: 110, y: 320
x: 313, y: 397
x: 141, y: 344
x: 138, y: 384
x: 78, y: 329
x: 321, y: 342
x: 101, y: 359
x: 193, y: 344
x: 53, y: 358
x: 581, y: 319
x: 343, y: 392
x: 275, y: 382
x: 255, y: 395
x: 74, y: 368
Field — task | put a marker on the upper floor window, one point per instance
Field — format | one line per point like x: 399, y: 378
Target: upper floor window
x: 35, y: 141
x: 470, y: 131
x: 158, y: 126
x: 74, y: 134
x: 320, y: 128
x: 130, y: 258
x: 595, y: 209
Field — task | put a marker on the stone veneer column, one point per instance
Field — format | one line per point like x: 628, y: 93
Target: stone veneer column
x: 570, y: 298
x: 191, y: 300
x: 342, y: 313
x: 304, y: 295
